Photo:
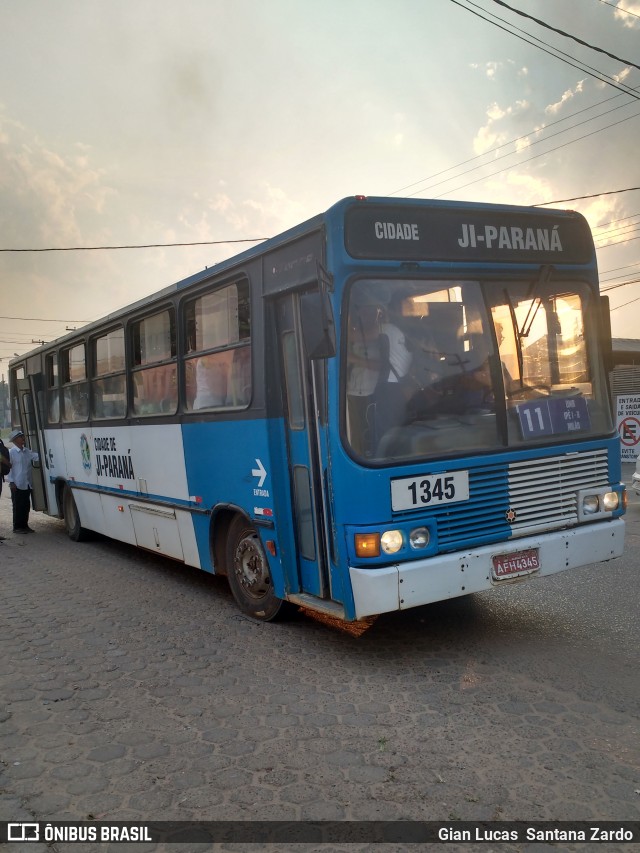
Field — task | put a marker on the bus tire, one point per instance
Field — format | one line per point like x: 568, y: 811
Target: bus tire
x: 249, y: 574
x: 75, y: 530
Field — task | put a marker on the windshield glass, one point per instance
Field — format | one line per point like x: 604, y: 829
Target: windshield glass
x: 439, y: 367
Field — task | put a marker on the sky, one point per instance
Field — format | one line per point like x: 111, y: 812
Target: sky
x: 135, y: 122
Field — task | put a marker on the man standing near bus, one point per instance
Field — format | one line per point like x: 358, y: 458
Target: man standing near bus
x: 5, y: 467
x: 20, y: 480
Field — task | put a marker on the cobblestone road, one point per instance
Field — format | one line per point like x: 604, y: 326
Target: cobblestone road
x: 132, y: 688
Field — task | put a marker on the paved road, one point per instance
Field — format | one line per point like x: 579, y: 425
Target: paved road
x: 132, y: 688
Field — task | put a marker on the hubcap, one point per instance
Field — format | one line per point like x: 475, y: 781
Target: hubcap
x: 251, y: 567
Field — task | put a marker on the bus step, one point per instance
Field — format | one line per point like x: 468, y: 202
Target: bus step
x: 303, y: 599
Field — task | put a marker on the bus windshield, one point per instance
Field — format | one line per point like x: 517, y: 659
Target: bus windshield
x: 435, y: 367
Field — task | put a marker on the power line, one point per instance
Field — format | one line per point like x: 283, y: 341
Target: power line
x: 537, y: 142
x: 552, y: 51
x: 618, y: 231
x: 555, y: 51
x: 619, y: 8
x: 625, y: 304
x: 535, y: 131
x: 602, y: 242
x: 565, y: 34
x: 162, y: 245
x: 613, y: 221
x: 534, y: 157
x: 43, y: 320
x: 621, y: 284
x: 16, y: 343
x: 625, y: 267
x: 145, y: 246
x: 606, y: 280
x: 618, y: 243
x: 582, y: 197
x: 599, y: 75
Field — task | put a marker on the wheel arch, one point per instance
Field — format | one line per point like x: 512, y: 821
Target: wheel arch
x: 59, y: 487
x: 222, y: 518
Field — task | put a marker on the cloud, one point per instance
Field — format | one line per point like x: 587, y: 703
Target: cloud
x: 515, y: 187
x: 568, y: 95
x: 601, y: 214
x: 630, y: 15
x: 46, y: 192
x: 489, y: 136
x: 274, y: 210
x: 264, y: 213
x: 493, y: 68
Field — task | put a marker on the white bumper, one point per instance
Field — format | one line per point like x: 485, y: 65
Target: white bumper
x: 444, y: 576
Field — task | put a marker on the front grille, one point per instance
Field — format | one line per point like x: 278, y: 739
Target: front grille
x: 541, y: 492
x: 544, y: 492
x: 482, y: 517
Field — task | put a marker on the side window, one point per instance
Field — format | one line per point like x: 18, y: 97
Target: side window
x: 566, y: 323
x: 218, y: 356
x: 53, y: 389
x: 75, y: 388
x: 295, y: 401
x: 155, y: 378
x: 15, y: 374
x: 109, y: 384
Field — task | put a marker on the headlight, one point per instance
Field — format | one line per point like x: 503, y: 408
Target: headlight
x: 590, y: 504
x: 419, y: 538
x: 610, y: 501
x: 391, y: 541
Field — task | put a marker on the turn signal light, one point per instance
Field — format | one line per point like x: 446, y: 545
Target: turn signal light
x: 367, y: 544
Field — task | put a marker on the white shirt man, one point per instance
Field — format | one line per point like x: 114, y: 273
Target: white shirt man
x: 399, y: 355
x: 20, y: 480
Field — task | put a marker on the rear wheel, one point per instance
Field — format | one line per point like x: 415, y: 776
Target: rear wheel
x: 249, y: 574
x: 75, y: 530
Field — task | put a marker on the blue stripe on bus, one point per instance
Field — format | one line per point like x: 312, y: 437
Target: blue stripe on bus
x: 223, y: 462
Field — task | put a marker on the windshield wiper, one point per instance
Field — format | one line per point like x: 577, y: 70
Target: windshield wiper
x: 543, y: 278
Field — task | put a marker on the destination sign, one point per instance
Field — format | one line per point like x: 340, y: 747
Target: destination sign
x: 410, y: 233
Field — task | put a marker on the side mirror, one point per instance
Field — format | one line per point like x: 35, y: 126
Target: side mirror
x: 318, y: 325
x: 605, y: 333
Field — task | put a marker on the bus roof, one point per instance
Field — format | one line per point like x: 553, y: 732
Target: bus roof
x: 336, y: 214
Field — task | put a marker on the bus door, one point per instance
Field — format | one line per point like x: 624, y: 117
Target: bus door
x: 31, y: 425
x: 304, y: 448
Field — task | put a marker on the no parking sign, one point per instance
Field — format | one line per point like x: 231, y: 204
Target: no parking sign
x: 628, y: 422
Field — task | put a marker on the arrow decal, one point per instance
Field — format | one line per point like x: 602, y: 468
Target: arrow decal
x: 260, y: 472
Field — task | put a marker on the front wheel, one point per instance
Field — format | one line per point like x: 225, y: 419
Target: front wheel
x: 249, y: 574
x: 75, y: 530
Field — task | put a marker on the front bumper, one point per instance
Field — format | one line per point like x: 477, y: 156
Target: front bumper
x: 418, y: 582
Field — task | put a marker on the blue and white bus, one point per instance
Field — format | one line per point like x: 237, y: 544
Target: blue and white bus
x: 394, y: 403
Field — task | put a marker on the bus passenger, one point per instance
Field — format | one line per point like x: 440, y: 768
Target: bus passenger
x: 363, y: 365
x: 20, y: 481
x: 211, y: 383
x: 391, y: 391
x: 423, y: 382
x: 5, y: 467
x: 239, y: 386
x: 476, y: 384
x: 509, y: 385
